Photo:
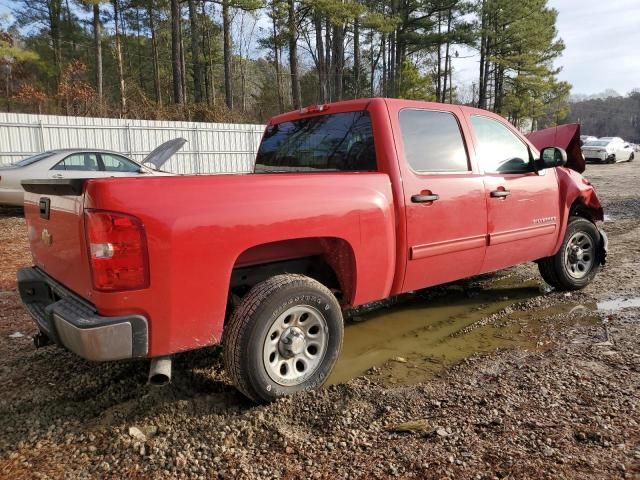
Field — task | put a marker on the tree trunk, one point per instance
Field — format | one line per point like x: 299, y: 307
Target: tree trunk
x: 356, y: 56
x: 198, y: 74
x: 209, y: 88
x: 97, y: 40
x: 123, y: 96
x: 183, y: 65
x: 55, y: 20
x: 322, y: 76
x: 484, y: 57
x: 276, y: 60
x: 450, y: 82
x: 447, y: 59
x: 176, y: 57
x: 392, y: 64
x: 154, y: 52
x: 338, y: 60
x: 383, y: 53
x: 124, y: 46
x: 293, y: 56
x: 327, y: 60
x: 372, y: 65
x: 498, y: 88
x: 228, y: 54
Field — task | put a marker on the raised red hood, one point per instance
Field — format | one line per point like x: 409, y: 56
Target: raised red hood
x: 562, y: 136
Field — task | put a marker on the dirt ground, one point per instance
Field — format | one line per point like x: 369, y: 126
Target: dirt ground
x: 554, y: 393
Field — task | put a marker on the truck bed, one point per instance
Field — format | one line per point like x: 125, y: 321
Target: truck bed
x: 198, y: 228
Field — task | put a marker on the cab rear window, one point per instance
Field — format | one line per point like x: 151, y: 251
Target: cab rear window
x: 335, y: 142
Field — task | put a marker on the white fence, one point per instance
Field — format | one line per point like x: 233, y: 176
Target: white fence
x: 210, y: 147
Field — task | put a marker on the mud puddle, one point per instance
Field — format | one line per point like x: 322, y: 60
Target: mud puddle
x: 419, y: 337
x: 617, y: 304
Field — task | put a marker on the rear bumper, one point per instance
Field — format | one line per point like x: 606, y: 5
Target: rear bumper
x: 597, y: 157
x: 70, y: 321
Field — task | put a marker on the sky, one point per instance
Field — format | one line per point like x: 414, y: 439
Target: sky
x: 602, y: 40
x: 602, y: 46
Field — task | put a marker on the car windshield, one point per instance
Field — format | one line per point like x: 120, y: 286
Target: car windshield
x: 335, y: 142
x: 597, y: 143
x: 35, y: 158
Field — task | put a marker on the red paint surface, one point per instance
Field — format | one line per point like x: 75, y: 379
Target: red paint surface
x: 378, y: 242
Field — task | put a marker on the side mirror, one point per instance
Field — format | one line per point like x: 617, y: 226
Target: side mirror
x: 551, y: 157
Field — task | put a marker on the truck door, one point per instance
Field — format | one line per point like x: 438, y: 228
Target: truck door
x: 446, y: 216
x: 523, y: 205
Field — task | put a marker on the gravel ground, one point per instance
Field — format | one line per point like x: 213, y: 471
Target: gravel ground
x: 568, y: 408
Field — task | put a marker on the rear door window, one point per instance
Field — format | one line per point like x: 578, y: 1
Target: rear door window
x: 116, y: 163
x: 432, y: 141
x: 79, y: 162
x: 336, y: 142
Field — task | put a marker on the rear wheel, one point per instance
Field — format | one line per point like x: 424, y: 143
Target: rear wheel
x: 577, y: 261
x: 284, y: 337
x: 631, y: 157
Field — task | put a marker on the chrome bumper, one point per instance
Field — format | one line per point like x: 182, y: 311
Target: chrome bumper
x: 70, y: 321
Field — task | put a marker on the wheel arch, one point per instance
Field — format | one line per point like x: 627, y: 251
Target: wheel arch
x: 580, y: 208
x: 577, y: 198
x: 329, y: 260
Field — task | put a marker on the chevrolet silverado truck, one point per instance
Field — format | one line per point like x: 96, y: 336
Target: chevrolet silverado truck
x: 349, y: 203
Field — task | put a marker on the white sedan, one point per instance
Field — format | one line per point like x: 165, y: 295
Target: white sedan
x: 608, y: 150
x: 79, y: 163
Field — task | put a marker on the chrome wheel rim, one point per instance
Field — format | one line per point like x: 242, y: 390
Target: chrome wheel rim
x: 295, y: 345
x: 579, y: 255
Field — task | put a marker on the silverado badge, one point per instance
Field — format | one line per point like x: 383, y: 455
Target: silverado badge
x: 47, y: 238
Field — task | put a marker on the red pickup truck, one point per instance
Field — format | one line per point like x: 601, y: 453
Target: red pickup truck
x: 349, y: 203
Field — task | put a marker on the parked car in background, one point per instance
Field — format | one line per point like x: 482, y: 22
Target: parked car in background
x: 350, y: 203
x: 608, y: 150
x: 587, y: 138
x: 79, y: 163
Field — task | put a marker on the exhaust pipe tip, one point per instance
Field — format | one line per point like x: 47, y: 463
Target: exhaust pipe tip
x: 160, y: 371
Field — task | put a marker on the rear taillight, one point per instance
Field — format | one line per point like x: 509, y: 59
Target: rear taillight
x: 117, y: 251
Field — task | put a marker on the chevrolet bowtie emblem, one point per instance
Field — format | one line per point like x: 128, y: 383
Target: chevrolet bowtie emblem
x: 47, y: 238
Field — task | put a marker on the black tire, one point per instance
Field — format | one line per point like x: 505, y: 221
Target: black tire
x: 250, y: 323
x: 554, y: 269
x: 611, y: 159
x: 631, y: 157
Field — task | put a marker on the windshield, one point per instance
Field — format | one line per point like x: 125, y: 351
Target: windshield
x: 335, y: 142
x: 35, y: 158
x: 597, y: 143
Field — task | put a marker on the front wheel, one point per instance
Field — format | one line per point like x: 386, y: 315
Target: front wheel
x: 284, y: 337
x: 578, y: 260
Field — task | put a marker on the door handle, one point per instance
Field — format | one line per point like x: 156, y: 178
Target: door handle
x: 500, y: 193
x: 424, y: 198
x: 58, y: 175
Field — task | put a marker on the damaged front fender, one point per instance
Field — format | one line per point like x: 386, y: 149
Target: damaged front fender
x: 577, y: 197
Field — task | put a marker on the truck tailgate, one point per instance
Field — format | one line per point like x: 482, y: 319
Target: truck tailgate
x: 54, y: 214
